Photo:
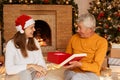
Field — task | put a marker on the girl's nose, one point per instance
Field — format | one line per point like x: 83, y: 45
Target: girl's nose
x: 34, y: 29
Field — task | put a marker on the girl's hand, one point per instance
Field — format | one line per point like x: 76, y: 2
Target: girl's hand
x: 38, y: 74
x: 2, y: 69
x: 38, y: 68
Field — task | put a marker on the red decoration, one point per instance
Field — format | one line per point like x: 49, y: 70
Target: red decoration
x: 106, y: 26
x: 46, y: 1
x: 119, y: 29
x: 117, y: 14
x: 100, y: 15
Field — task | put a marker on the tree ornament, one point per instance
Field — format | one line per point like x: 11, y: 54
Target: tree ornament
x: 119, y: 29
x: 10, y: 1
x: 21, y: 1
x: 100, y: 15
x: 46, y: 1
x: 67, y: 2
x: 109, y: 18
x: 98, y: 2
x: 109, y: 7
x: 106, y: 26
x: 58, y: 2
x: 26, y: 1
x: 31, y: 1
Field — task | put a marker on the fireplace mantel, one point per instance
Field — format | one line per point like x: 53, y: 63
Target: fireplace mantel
x: 59, y: 17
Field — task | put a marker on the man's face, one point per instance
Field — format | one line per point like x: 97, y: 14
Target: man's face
x: 83, y: 31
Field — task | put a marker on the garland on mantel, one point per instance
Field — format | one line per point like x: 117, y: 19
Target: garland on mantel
x: 50, y: 2
x: 43, y: 2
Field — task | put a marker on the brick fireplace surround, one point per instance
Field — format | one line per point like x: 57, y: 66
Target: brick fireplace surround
x: 59, y: 17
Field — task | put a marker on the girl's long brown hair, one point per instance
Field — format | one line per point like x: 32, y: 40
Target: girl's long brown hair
x: 21, y: 43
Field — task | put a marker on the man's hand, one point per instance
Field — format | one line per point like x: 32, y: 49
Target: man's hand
x: 73, y: 64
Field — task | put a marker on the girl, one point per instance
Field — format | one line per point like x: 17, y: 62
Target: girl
x: 23, y: 55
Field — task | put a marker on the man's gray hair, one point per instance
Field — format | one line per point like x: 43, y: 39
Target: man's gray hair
x: 88, y: 20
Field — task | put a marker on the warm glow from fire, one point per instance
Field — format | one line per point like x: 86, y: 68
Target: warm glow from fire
x: 42, y: 42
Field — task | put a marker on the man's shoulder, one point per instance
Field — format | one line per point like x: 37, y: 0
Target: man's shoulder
x: 100, y: 38
x: 76, y: 35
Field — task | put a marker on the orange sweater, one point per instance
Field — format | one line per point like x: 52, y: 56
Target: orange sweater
x: 95, y: 47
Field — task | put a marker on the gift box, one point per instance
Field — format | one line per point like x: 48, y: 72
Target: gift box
x: 115, y: 52
x: 115, y: 68
x: 57, y: 57
x: 114, y: 61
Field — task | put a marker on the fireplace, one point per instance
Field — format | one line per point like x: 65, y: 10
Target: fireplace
x: 58, y: 17
x: 43, y: 33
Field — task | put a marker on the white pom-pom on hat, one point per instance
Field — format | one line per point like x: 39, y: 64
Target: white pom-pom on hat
x: 23, y: 22
x: 19, y: 28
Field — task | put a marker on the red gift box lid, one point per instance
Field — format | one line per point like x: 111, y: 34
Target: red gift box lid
x: 57, y: 57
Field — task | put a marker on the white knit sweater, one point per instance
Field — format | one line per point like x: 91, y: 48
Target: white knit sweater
x: 15, y: 62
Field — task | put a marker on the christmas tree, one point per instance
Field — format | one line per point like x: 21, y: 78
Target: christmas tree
x: 107, y: 14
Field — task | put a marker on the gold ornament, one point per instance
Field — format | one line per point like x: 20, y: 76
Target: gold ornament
x: 31, y: 1
x: 67, y: 2
x: 26, y: 1
x: 95, y: 8
x: 109, y: 18
x: 10, y: 1
x: 100, y: 23
x: 76, y: 14
x: 98, y: 2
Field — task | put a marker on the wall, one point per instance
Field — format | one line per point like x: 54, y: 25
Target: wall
x: 83, y: 5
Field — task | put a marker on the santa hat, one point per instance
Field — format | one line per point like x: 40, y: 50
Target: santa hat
x: 23, y: 22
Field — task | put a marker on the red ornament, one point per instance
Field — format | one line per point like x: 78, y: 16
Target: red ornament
x: 100, y: 15
x: 119, y: 29
x: 106, y: 26
x: 46, y: 1
x: 117, y: 14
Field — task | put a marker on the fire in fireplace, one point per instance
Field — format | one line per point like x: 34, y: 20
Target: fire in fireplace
x: 42, y: 33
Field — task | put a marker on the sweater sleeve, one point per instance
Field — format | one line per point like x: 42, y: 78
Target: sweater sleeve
x: 11, y: 67
x: 41, y: 60
x: 100, y: 54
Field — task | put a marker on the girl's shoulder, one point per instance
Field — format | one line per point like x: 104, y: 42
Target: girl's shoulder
x: 10, y: 42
